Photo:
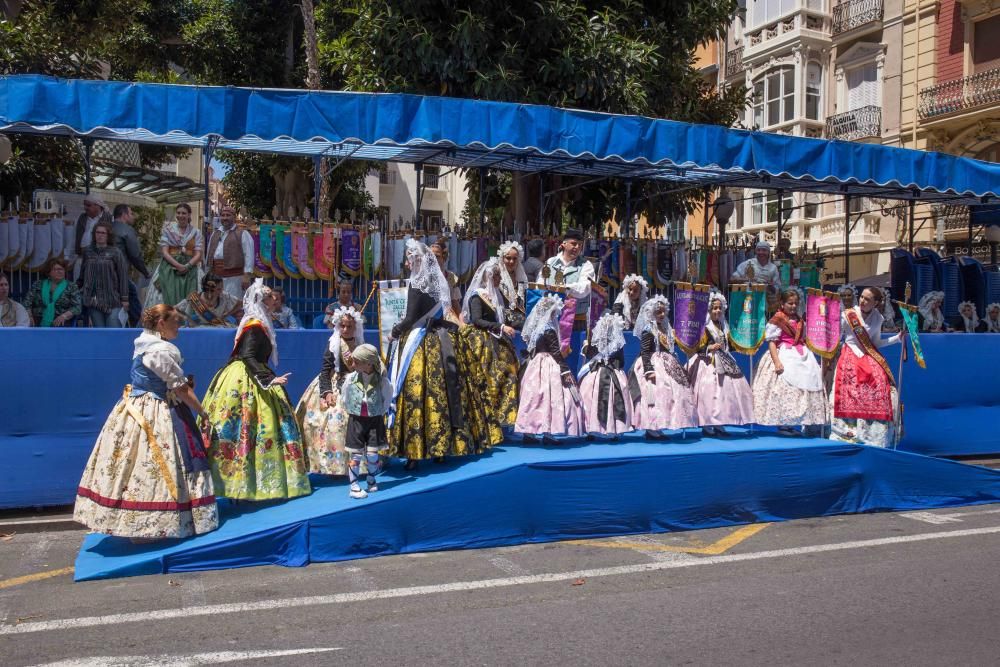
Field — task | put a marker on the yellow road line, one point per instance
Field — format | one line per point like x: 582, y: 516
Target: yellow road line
x: 714, y: 549
x: 38, y: 576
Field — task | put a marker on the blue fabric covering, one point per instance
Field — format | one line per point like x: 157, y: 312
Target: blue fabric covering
x: 69, y: 380
x: 567, y: 492
x: 411, y: 128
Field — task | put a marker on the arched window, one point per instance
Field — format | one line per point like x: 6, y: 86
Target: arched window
x: 774, y: 97
x: 814, y: 88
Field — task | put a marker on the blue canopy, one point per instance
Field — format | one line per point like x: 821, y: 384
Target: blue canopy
x: 472, y: 133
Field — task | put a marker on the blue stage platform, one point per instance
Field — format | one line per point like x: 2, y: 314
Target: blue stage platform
x: 59, y: 386
x: 520, y: 494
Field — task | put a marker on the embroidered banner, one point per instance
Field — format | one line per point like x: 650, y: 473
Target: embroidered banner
x: 321, y: 264
x: 391, y: 310
x: 822, y: 322
x: 300, y: 250
x: 664, y: 264
x: 912, y: 324
x: 690, y: 311
x: 566, y: 319
x: 747, y: 317
x: 598, y: 301
x: 350, y: 252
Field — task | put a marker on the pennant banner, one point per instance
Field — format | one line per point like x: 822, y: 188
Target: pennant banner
x: 809, y: 276
x: 598, y: 301
x: 391, y: 310
x: 664, y: 264
x: 747, y: 317
x: 566, y: 320
x: 350, y: 252
x: 690, y: 311
x: 822, y: 322
x: 912, y: 324
x: 785, y: 272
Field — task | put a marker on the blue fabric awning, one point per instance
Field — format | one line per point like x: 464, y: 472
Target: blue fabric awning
x: 472, y: 133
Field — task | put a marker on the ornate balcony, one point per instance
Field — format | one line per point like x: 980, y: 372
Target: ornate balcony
x: 854, y: 14
x: 978, y: 90
x: 734, y: 63
x: 861, y: 123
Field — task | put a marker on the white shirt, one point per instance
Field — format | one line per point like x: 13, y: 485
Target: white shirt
x: 88, y: 231
x: 21, y: 318
x: 762, y: 275
x: 872, y: 324
x: 245, y: 240
x: 576, y: 279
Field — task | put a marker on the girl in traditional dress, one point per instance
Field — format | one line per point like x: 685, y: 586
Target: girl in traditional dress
x: 148, y: 476
x: 320, y: 411
x: 433, y: 415
x: 550, y: 402
x: 929, y: 313
x: 865, y: 400
x: 256, y: 446
x: 788, y: 386
x: 635, y: 292
x: 607, y: 404
x: 486, y: 308
x: 993, y: 318
x: 848, y: 295
x: 181, y: 247
x: 658, y: 383
x: 721, y: 393
x: 212, y: 307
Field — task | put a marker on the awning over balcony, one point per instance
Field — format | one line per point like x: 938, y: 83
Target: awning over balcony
x: 472, y: 133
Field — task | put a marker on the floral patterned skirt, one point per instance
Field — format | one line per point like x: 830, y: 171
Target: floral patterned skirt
x: 490, y: 366
x: 778, y: 403
x: 323, y: 431
x: 132, y: 488
x: 424, y: 426
x: 256, y: 447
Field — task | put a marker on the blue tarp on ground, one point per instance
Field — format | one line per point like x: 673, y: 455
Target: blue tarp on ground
x: 570, y: 492
x: 472, y: 133
x: 60, y: 385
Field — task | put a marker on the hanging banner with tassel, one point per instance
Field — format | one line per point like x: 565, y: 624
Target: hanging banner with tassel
x: 690, y: 311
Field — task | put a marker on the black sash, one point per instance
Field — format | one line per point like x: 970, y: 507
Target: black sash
x: 606, y: 380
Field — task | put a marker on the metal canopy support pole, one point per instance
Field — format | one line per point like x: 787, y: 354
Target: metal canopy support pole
x: 704, y: 238
x: 541, y: 206
x: 482, y: 200
x: 627, y: 225
x: 970, y: 232
x: 88, y: 152
x: 847, y: 238
x: 781, y: 219
x: 420, y: 192
x: 913, y: 213
x: 317, y: 184
x: 208, y: 153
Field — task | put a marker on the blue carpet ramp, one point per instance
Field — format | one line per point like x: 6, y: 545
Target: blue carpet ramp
x: 521, y: 494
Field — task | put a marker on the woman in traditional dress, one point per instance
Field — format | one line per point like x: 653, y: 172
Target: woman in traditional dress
x: 967, y: 320
x: 658, y: 383
x: 992, y: 318
x: 865, y: 400
x: 488, y: 340
x: 848, y: 295
x: 635, y: 292
x: 929, y: 313
x: 607, y: 404
x: 181, y: 247
x: 433, y: 415
x: 550, y: 403
x: 320, y: 410
x: 721, y: 392
x: 212, y: 307
x: 788, y: 385
x: 513, y: 282
x: 256, y: 446
x: 148, y: 476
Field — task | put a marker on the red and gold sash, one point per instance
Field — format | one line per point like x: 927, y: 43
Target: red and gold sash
x: 861, y: 333
x: 794, y: 329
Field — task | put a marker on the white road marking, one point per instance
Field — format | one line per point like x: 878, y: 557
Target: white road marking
x: 942, y: 517
x: 189, y: 660
x: 656, y: 556
x: 482, y: 584
x: 508, y: 566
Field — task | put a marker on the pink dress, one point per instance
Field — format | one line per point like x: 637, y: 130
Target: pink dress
x: 722, y: 394
x: 607, y: 403
x: 666, y: 403
x: 547, y: 406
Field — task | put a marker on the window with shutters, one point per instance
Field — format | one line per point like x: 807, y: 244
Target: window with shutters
x: 773, y: 100
x: 862, y: 87
x: 814, y: 86
x: 986, y: 44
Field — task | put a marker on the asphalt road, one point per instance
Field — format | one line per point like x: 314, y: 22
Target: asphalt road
x: 883, y: 589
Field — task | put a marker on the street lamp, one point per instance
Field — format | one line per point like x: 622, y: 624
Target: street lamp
x: 724, y: 208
